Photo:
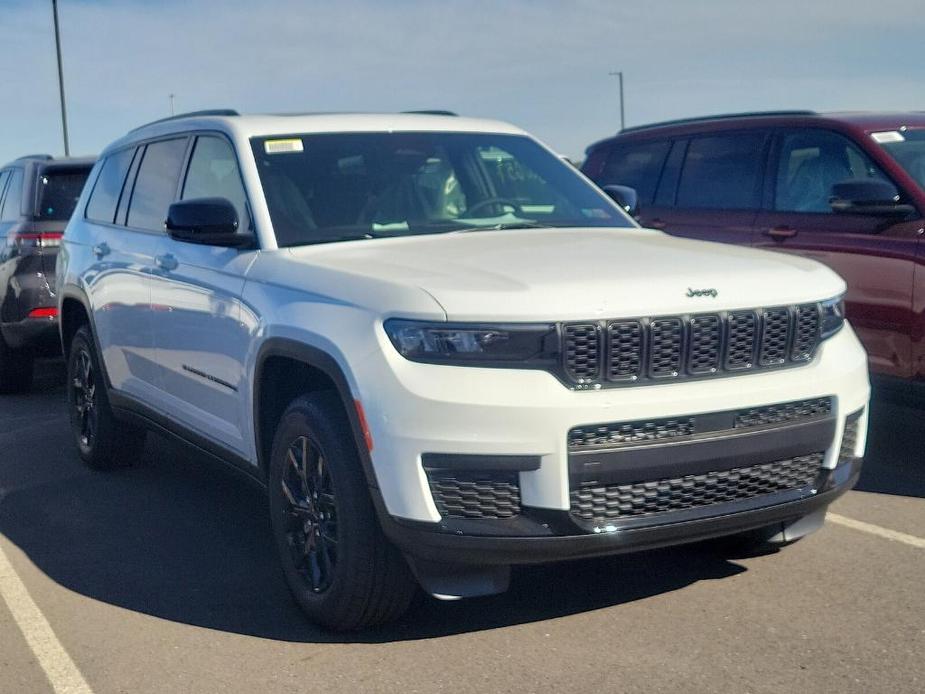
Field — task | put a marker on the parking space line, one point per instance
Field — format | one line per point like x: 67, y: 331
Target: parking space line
x: 61, y: 671
x: 894, y: 535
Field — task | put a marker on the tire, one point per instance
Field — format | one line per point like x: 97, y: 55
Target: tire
x: 103, y: 441
x: 16, y: 367
x: 339, y: 566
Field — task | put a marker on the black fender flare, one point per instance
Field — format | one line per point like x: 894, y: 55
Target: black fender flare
x: 328, y: 365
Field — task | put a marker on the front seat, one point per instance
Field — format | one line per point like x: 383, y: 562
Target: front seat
x: 810, y: 187
x: 292, y: 216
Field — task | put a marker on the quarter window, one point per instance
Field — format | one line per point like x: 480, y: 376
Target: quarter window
x: 213, y: 173
x: 12, y: 204
x: 109, y: 185
x: 813, y: 161
x: 156, y: 184
x: 721, y: 172
x: 637, y: 165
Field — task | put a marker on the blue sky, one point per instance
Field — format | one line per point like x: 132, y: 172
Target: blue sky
x: 541, y: 64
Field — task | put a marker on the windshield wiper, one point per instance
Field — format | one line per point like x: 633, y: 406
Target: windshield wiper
x: 503, y: 226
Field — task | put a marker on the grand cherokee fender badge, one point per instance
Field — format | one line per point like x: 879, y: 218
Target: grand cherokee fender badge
x: 702, y: 292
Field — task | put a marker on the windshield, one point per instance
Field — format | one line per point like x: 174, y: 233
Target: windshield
x: 333, y: 187
x: 59, y: 190
x: 907, y: 147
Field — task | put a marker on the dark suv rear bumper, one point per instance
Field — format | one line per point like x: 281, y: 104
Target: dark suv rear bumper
x: 40, y: 334
x: 538, y: 541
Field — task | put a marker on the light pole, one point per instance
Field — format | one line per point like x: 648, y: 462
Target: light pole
x: 171, y: 96
x: 54, y: 9
x: 619, y: 74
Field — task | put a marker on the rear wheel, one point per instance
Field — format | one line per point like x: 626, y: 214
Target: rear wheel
x: 102, y: 441
x: 341, y: 570
x: 16, y: 367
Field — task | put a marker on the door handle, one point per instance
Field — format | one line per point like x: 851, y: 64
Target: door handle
x: 781, y: 233
x: 101, y: 249
x: 166, y: 262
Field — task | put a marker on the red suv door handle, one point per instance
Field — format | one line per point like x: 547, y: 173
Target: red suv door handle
x: 781, y: 233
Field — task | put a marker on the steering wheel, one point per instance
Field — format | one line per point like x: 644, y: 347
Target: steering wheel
x: 495, y: 201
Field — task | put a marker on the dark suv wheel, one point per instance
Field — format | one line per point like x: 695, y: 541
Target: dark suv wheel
x: 339, y: 566
x: 15, y: 369
x: 103, y: 441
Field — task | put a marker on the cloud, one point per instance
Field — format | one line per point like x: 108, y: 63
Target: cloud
x: 541, y: 64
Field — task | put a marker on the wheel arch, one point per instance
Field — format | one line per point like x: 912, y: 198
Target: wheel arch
x: 286, y: 369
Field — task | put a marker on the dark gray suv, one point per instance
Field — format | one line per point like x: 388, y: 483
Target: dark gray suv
x: 37, y: 196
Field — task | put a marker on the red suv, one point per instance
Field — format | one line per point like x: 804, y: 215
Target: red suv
x: 847, y: 189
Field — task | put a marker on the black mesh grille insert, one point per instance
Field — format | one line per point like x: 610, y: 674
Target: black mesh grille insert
x: 740, y: 340
x: 775, y: 336
x: 623, y: 433
x: 582, y: 352
x: 806, y: 333
x: 630, y: 432
x: 849, y: 439
x: 783, y: 413
x: 703, y: 351
x: 602, y: 503
x: 666, y: 335
x: 624, y: 355
x: 460, y: 494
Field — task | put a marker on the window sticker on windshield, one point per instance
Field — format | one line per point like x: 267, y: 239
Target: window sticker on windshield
x: 888, y: 136
x: 595, y: 213
x: 293, y: 144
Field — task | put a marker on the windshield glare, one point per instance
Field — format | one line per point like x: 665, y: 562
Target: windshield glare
x: 333, y: 187
x: 907, y: 147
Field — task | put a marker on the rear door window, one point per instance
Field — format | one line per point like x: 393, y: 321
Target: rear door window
x: 58, y: 192
x: 12, y: 203
x: 109, y: 186
x: 637, y: 165
x: 3, y: 176
x: 722, y: 172
x: 156, y: 184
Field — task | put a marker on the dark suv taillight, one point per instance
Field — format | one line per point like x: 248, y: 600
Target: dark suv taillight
x: 28, y: 239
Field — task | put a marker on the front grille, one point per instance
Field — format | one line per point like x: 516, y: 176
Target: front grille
x: 602, y: 503
x: 649, y: 350
x: 459, y: 494
x: 659, y: 429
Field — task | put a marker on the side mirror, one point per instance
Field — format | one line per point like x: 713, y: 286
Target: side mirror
x: 625, y: 197
x: 868, y: 196
x: 206, y: 221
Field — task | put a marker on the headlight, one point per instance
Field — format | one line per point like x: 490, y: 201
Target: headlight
x: 833, y: 316
x: 528, y: 346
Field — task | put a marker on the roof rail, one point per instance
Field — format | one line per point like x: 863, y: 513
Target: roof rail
x: 720, y: 116
x: 191, y: 114
x: 432, y: 112
x: 46, y: 157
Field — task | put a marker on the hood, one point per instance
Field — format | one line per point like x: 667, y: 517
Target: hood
x: 578, y: 274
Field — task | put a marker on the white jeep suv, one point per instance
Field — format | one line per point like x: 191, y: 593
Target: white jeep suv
x: 444, y: 352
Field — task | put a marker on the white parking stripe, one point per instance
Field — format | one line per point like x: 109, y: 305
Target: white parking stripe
x: 61, y: 671
x: 894, y: 535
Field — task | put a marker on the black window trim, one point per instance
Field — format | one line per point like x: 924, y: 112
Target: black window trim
x: 6, y: 191
x: 764, y: 151
x: 3, y: 187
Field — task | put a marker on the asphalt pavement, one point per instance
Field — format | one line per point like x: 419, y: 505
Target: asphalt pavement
x: 161, y: 578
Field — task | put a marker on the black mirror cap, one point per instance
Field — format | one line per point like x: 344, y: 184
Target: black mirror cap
x: 207, y: 221
x: 868, y: 196
x: 625, y: 197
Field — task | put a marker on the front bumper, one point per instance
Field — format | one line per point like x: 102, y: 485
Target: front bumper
x: 537, y: 541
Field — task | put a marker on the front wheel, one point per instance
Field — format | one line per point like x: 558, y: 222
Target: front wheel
x: 339, y: 566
